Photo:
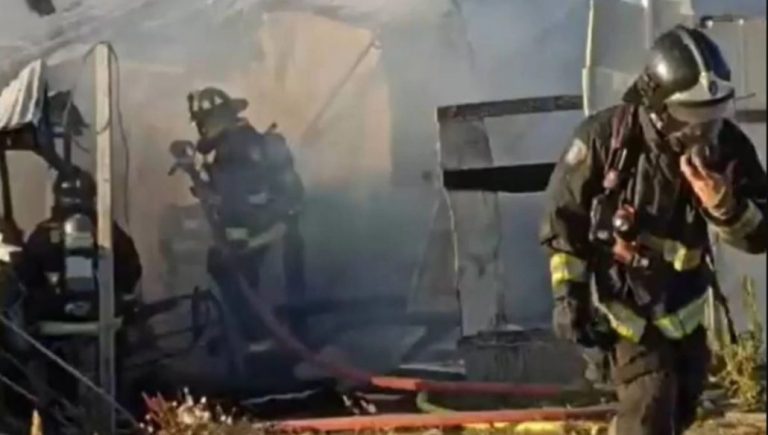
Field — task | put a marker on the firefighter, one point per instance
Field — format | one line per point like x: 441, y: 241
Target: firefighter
x: 58, y: 268
x: 630, y: 203
x: 258, y: 197
x: 49, y: 268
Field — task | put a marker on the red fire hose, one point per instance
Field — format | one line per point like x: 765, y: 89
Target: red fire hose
x: 343, y: 371
x: 338, y: 369
x: 456, y: 419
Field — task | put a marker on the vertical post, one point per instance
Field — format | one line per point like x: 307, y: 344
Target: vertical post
x: 743, y: 62
x: 648, y: 15
x: 587, y: 73
x: 103, y: 106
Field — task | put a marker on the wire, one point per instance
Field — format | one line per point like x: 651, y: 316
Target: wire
x: 123, y: 138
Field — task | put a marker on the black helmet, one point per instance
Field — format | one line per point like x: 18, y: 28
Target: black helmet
x: 74, y: 189
x: 687, y: 76
x: 213, y: 110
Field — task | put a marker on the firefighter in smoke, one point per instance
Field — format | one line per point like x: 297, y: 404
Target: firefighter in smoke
x: 58, y: 266
x: 630, y: 203
x: 257, y: 199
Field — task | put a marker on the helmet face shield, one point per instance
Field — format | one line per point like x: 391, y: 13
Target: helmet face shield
x: 685, y: 68
x: 701, y: 113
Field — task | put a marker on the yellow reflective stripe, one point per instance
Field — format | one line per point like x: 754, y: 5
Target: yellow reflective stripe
x: 564, y: 268
x: 747, y: 223
x: 680, y: 256
x: 236, y: 233
x: 674, y: 326
x: 626, y: 323
x: 276, y: 232
x: 559, y: 289
x: 681, y: 323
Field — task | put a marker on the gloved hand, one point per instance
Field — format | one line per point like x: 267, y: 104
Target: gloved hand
x: 574, y: 321
x: 713, y: 190
x: 570, y: 320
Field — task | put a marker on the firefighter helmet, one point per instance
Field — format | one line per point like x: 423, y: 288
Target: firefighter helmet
x: 687, y: 76
x: 74, y: 189
x: 213, y: 110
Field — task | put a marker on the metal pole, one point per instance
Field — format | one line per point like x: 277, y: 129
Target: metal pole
x: 103, y: 73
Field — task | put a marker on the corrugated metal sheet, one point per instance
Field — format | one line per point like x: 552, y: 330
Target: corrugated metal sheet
x: 21, y: 100
x: 476, y: 224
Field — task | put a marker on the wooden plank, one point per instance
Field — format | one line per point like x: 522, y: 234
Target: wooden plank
x: 521, y: 106
x: 103, y: 104
x: 529, y: 178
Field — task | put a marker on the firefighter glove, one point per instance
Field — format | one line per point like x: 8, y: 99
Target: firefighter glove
x: 713, y: 190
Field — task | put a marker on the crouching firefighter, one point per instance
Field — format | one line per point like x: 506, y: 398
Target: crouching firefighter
x: 630, y: 203
x: 258, y: 197
x: 59, y: 270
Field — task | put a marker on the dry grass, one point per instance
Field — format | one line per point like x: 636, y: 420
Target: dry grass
x: 191, y: 417
x: 740, y: 364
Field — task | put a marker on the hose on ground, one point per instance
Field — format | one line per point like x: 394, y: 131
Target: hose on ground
x: 336, y: 368
x: 439, y: 421
x: 340, y: 370
x: 427, y: 407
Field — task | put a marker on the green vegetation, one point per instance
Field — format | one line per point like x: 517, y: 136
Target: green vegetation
x: 740, y: 365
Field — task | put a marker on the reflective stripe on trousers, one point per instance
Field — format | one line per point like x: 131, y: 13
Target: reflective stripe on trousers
x: 564, y: 268
x: 674, y: 325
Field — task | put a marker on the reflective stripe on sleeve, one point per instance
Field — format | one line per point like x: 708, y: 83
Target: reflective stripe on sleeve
x: 747, y: 223
x: 566, y: 268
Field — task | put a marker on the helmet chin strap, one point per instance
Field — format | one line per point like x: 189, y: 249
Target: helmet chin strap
x: 656, y: 120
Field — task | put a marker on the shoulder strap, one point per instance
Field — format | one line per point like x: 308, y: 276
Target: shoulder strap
x: 622, y: 156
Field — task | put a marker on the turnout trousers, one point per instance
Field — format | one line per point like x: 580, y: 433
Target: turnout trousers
x: 659, y: 382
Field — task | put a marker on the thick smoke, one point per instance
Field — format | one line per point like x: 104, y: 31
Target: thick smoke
x: 368, y: 161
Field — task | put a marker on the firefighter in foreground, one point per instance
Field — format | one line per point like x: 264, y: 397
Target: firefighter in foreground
x: 256, y: 196
x: 630, y: 202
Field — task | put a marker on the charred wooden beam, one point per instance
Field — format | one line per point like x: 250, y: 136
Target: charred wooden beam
x: 521, y: 106
x: 530, y: 178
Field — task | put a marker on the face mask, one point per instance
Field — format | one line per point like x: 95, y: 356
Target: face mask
x: 697, y: 134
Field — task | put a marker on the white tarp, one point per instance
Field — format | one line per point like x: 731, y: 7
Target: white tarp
x: 21, y: 100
